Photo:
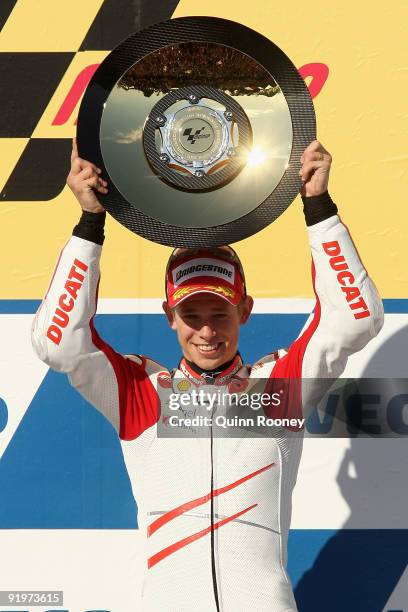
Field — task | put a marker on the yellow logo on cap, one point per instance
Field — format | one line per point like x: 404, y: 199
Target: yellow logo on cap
x: 182, y: 291
x: 224, y: 290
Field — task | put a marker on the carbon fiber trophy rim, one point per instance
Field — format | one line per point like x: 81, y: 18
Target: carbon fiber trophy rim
x: 206, y: 30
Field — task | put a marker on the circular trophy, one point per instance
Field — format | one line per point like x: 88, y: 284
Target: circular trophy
x: 198, y: 124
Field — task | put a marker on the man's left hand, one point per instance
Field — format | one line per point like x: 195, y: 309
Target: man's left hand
x: 315, y: 170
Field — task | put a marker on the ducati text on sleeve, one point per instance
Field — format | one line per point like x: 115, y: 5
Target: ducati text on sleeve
x: 66, y: 301
x: 203, y: 267
x: 346, y: 279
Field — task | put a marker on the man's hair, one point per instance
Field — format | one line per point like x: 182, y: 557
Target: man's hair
x: 226, y: 253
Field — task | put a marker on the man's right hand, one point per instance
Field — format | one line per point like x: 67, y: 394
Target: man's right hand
x: 85, y: 182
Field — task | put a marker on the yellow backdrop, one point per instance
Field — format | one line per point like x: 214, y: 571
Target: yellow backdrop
x: 361, y: 113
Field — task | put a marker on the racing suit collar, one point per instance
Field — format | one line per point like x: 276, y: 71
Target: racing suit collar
x: 218, y: 375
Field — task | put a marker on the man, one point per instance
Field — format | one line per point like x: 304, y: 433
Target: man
x: 216, y: 512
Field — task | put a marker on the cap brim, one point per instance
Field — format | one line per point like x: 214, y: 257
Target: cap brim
x: 225, y: 293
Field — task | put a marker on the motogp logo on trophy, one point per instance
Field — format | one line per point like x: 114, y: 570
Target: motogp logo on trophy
x: 196, y: 136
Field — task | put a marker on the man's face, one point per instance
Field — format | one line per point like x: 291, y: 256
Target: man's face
x: 207, y: 328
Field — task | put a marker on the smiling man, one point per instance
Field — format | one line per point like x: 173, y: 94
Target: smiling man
x: 206, y: 304
x: 215, y: 512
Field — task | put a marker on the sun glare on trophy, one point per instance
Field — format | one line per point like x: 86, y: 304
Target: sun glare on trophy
x: 256, y: 157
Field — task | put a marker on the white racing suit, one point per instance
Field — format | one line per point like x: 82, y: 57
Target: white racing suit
x: 215, y: 512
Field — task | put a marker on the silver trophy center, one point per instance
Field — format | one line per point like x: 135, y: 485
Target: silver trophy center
x: 197, y: 138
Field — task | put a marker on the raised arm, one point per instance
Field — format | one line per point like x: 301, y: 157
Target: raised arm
x: 348, y: 311
x: 63, y: 333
